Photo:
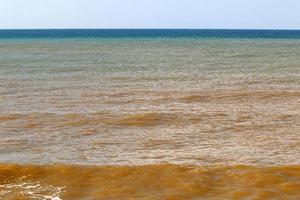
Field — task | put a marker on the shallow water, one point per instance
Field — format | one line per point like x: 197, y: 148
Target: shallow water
x: 149, y: 182
x: 207, y: 103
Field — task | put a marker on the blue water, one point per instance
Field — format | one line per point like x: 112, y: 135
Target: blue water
x: 146, y: 33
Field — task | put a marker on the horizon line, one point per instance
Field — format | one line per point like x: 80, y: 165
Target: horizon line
x: 258, y: 29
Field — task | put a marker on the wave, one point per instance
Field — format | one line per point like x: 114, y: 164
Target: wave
x: 90, y: 120
x: 141, y: 119
x: 146, y: 119
x: 238, y: 96
x: 161, y: 181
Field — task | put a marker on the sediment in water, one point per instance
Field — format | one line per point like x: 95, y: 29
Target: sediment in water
x: 162, y: 181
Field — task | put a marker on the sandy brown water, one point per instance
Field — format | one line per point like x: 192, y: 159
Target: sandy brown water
x: 149, y: 119
x: 149, y: 182
x: 208, y: 127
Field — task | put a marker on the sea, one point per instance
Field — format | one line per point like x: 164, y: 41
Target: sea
x: 150, y: 114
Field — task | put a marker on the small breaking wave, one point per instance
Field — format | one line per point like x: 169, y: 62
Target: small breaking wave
x: 161, y: 181
x: 24, y: 189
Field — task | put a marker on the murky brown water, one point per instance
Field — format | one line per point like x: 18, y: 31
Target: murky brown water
x: 149, y: 182
x: 206, y: 106
x: 219, y: 127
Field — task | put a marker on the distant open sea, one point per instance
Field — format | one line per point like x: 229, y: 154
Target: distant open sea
x: 149, y: 114
x: 148, y: 33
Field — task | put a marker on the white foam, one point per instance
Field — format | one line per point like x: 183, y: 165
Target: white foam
x: 33, y: 190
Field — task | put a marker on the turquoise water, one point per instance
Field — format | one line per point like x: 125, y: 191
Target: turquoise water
x: 149, y: 33
x: 229, y: 97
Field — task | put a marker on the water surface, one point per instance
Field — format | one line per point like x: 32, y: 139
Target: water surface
x: 206, y: 99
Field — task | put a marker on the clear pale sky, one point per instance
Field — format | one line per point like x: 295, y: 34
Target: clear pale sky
x: 260, y: 14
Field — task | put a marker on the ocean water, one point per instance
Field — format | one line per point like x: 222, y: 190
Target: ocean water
x: 211, y: 114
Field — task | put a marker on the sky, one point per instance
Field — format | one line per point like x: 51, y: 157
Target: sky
x: 194, y: 14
